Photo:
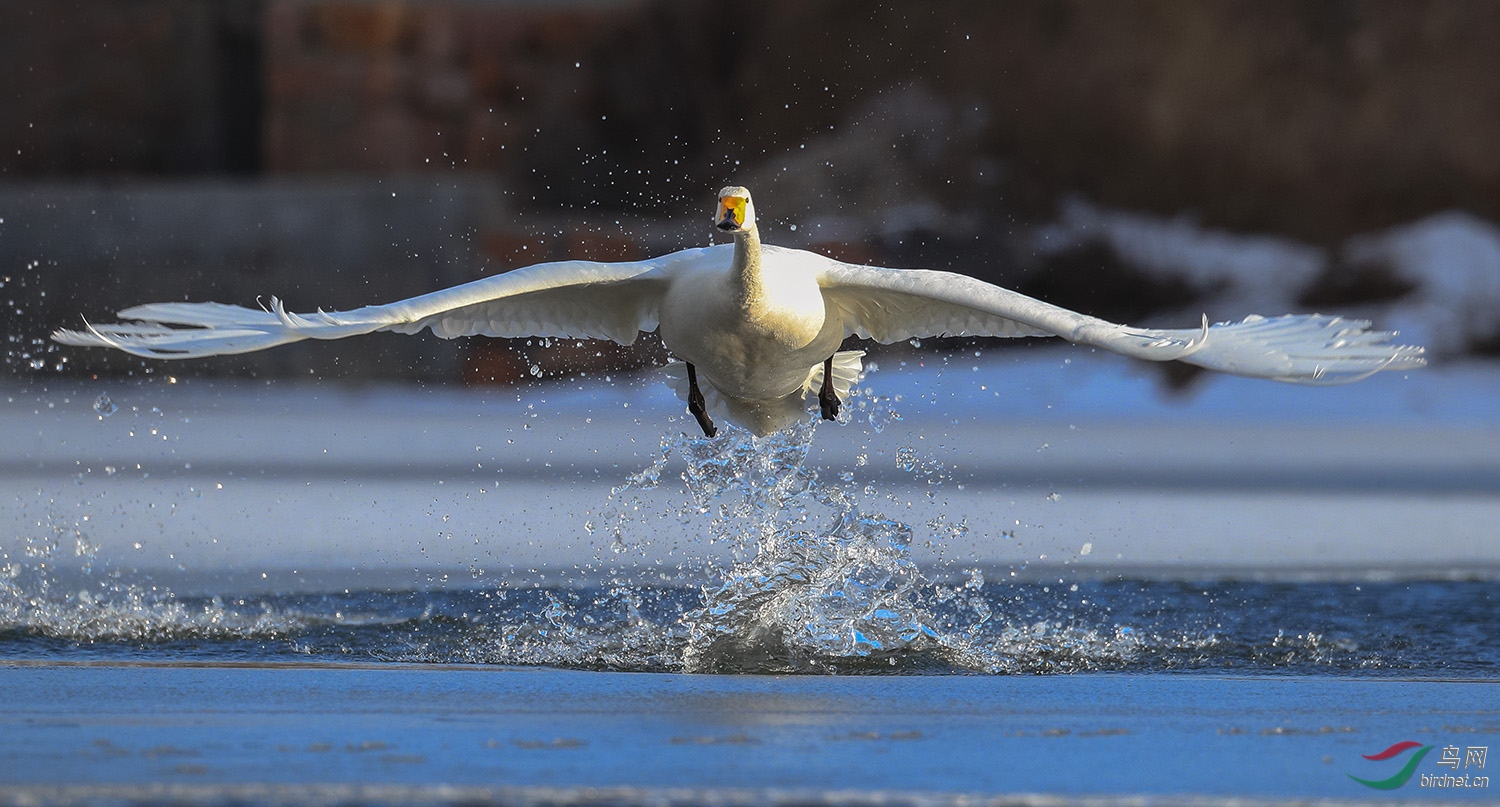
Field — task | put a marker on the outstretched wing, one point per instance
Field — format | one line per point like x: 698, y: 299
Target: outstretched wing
x: 889, y: 305
x: 566, y: 299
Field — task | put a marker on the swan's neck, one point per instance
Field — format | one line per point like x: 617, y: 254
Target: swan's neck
x: 745, y: 271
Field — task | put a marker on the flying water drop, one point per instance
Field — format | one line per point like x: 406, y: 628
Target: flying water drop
x: 104, y: 406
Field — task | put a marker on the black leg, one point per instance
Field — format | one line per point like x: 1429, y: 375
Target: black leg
x: 828, y: 400
x: 696, y: 406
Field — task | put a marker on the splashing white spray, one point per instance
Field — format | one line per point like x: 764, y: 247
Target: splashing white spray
x: 814, y: 581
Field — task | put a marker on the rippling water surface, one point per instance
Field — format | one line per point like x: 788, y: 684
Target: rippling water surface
x: 1401, y: 629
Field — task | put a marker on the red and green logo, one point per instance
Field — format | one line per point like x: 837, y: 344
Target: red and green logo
x: 1402, y: 776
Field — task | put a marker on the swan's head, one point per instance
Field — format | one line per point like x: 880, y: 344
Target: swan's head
x: 736, y: 212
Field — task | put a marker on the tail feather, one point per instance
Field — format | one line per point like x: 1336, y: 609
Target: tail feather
x: 846, y: 370
x: 764, y: 417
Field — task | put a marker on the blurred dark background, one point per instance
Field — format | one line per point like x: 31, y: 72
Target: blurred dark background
x: 344, y: 152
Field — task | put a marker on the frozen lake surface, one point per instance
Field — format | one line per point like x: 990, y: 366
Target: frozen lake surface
x: 1064, y: 458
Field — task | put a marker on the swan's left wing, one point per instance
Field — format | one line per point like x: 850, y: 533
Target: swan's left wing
x: 890, y: 305
x: 576, y: 299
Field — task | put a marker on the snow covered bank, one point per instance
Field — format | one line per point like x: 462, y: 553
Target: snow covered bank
x: 1436, y: 280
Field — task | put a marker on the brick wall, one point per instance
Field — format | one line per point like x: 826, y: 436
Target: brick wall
x: 105, y: 87
x: 396, y: 86
x: 1315, y: 119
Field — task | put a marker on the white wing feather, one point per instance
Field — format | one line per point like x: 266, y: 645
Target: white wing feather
x: 567, y: 299
x: 619, y: 300
x: 890, y: 305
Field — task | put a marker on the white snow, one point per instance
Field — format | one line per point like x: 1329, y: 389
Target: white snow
x: 1453, y: 258
x: 1244, y: 274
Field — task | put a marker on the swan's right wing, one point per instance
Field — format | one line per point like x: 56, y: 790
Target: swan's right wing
x: 891, y: 305
x: 575, y: 299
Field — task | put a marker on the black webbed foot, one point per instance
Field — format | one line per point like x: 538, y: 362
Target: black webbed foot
x: 696, y: 406
x: 828, y: 400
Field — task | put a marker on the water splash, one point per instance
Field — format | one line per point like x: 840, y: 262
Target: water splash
x: 54, y: 591
x: 814, y: 581
x: 799, y: 610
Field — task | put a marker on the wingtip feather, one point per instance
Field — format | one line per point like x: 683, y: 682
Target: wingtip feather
x: 1315, y: 349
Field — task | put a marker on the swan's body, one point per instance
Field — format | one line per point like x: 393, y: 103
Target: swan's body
x: 758, y: 328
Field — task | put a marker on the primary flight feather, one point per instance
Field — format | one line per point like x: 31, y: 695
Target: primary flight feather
x: 758, y: 327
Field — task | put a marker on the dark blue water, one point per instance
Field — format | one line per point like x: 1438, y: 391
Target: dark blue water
x: 1440, y: 629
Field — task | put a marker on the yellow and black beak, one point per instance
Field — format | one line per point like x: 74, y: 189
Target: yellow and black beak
x: 731, y: 215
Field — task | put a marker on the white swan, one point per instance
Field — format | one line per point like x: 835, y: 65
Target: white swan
x: 758, y: 328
